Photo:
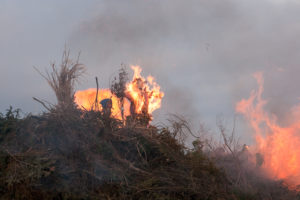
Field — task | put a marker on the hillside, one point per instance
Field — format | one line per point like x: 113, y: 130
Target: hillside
x: 73, y: 153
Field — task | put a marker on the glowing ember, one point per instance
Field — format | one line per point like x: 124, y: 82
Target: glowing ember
x: 280, y: 146
x: 142, y: 96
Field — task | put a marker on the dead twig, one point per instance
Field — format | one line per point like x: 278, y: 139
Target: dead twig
x: 96, y: 99
x: 41, y: 102
x: 17, y: 160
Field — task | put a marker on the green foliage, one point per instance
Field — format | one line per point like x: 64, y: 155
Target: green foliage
x: 8, y: 122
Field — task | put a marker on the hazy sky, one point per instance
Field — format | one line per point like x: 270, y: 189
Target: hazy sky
x: 202, y: 52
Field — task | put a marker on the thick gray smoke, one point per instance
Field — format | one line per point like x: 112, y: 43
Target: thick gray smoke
x: 201, y: 52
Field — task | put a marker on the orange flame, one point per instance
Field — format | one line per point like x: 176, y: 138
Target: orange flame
x: 145, y: 94
x: 280, y: 146
x: 86, y: 100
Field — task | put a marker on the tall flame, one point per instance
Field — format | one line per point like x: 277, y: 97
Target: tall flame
x: 144, y: 93
x: 280, y: 146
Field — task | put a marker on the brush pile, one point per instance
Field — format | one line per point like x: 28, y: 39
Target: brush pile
x: 70, y: 153
x: 82, y: 156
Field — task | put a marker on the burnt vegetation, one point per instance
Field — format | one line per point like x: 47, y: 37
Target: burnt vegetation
x: 71, y: 153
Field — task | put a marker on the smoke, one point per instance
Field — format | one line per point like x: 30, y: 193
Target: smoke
x: 202, y: 53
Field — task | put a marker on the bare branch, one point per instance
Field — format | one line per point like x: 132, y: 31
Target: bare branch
x: 96, y: 99
x: 41, y: 102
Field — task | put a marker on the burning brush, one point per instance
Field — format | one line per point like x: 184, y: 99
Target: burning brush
x: 139, y: 97
x: 278, y: 145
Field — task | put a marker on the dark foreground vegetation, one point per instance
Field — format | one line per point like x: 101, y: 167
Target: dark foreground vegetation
x: 69, y: 153
x: 83, y: 156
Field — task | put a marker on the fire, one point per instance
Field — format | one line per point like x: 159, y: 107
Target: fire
x: 146, y: 94
x: 141, y: 96
x: 86, y: 100
x: 280, y: 146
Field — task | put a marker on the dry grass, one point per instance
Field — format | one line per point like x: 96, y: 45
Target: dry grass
x: 67, y: 153
x: 62, y: 80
